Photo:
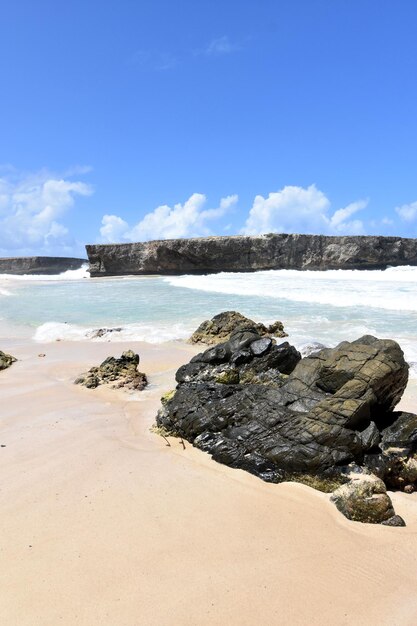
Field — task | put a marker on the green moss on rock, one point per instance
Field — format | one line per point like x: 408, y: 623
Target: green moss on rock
x: 6, y: 360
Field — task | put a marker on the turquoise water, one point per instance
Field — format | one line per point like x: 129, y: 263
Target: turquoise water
x: 314, y: 306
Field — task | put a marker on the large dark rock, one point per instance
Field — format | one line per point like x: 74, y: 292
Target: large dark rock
x: 117, y: 373
x: 221, y: 326
x: 39, y: 265
x: 6, y: 360
x: 245, y: 254
x: 275, y: 415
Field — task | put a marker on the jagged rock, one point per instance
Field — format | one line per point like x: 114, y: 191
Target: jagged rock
x: 221, y: 326
x: 116, y: 373
x: 307, y: 417
x: 246, y: 357
x: 364, y: 499
x: 6, y: 360
x: 395, y: 520
x: 370, y: 437
x: 401, y: 433
x: 98, y: 333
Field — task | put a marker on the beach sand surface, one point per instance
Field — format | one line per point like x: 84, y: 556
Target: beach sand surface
x: 102, y: 524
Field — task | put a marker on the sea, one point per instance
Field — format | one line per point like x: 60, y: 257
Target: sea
x: 315, y: 307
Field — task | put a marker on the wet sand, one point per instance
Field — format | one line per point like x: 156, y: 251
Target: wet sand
x: 103, y: 524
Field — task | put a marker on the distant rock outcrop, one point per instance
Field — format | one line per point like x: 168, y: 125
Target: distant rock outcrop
x: 39, y: 265
x: 117, y: 373
x: 244, y: 254
x: 6, y: 360
x: 222, y: 325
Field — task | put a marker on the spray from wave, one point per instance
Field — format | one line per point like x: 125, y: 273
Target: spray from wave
x: 155, y: 333
x: 82, y: 272
x: 392, y: 289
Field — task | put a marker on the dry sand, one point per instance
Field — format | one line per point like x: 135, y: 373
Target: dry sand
x: 102, y: 524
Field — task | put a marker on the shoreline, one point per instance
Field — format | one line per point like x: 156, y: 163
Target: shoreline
x: 104, y: 524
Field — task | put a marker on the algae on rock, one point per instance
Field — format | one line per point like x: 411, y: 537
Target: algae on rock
x: 117, y: 373
x: 6, y: 360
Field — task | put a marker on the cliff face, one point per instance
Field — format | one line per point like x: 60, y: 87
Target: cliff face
x: 39, y: 265
x: 244, y: 254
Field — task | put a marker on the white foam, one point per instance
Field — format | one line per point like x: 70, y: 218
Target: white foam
x: 340, y: 288
x: 82, y: 272
x: 156, y: 333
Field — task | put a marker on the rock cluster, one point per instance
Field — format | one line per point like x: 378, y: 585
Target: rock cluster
x: 117, y: 373
x: 221, y: 326
x: 6, y: 360
x: 258, y: 406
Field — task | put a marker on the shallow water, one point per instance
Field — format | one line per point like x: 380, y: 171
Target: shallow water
x: 325, y: 307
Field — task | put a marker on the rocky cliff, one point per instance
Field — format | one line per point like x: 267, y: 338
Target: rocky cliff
x: 39, y: 265
x: 243, y: 254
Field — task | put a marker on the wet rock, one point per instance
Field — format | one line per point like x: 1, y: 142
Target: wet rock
x: 395, y: 520
x: 297, y: 415
x: 370, y: 437
x: 364, y: 499
x: 98, y: 333
x: 116, y: 373
x: 402, y: 433
x: 6, y: 360
x: 245, y: 358
x: 221, y: 326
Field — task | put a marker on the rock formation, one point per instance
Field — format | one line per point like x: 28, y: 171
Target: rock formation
x: 365, y: 499
x: 6, y: 360
x: 116, y: 373
x: 221, y: 326
x: 245, y: 254
x: 39, y: 265
x: 258, y: 406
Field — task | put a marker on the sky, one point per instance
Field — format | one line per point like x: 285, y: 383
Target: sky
x: 137, y: 120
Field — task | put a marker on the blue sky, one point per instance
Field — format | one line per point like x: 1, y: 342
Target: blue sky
x: 136, y: 120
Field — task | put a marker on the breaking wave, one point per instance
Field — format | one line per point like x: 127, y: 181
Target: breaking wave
x: 392, y: 289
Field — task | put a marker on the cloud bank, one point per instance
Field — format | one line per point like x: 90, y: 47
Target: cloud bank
x: 299, y: 209
x: 30, y: 210
x: 407, y: 212
x: 182, y: 220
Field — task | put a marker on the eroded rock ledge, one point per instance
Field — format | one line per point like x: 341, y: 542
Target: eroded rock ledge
x: 39, y: 265
x: 245, y: 254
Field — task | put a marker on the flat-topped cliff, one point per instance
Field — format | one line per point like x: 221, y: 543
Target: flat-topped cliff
x: 39, y: 265
x: 204, y: 255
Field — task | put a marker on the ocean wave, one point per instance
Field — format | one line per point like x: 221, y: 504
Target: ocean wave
x: 390, y: 289
x: 158, y: 333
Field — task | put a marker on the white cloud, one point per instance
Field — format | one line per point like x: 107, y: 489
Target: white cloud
x: 407, y: 212
x: 113, y: 228
x: 340, y: 223
x: 30, y: 209
x: 303, y: 210
x: 165, y: 222
x: 219, y: 46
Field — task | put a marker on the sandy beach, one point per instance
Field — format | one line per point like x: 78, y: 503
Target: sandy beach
x: 102, y: 523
